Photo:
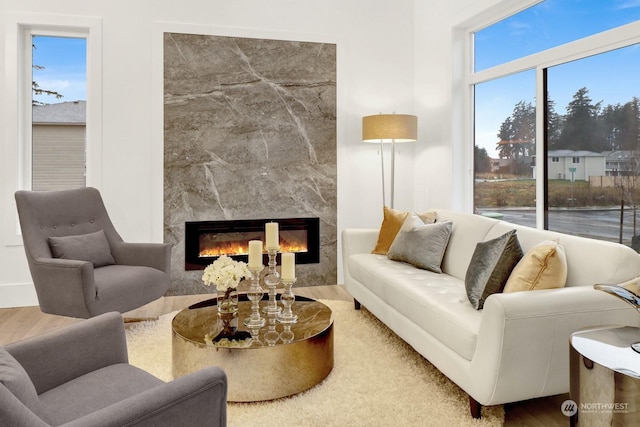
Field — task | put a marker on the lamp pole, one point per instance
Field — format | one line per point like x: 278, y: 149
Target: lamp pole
x: 393, y: 166
x: 384, y: 198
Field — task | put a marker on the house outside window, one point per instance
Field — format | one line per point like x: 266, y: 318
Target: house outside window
x: 58, y: 146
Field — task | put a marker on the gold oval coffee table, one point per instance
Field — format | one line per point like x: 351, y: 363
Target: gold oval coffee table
x: 271, y: 368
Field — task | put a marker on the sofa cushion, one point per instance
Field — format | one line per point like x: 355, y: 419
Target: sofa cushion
x: 544, y: 266
x: 391, y: 224
x: 92, y: 247
x: 17, y: 381
x: 420, y: 244
x: 435, y: 302
x: 490, y: 267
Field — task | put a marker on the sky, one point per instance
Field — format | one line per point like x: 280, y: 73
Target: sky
x: 547, y: 24
x: 64, y: 62
x: 611, y: 77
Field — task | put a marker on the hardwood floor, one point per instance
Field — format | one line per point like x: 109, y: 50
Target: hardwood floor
x: 25, y: 322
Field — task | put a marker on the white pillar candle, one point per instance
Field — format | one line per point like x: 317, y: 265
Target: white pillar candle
x: 288, y: 266
x: 255, y: 254
x: 272, y: 234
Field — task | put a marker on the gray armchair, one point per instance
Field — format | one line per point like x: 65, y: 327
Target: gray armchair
x: 79, y: 264
x: 80, y: 376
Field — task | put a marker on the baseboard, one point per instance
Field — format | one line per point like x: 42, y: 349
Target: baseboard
x: 17, y: 295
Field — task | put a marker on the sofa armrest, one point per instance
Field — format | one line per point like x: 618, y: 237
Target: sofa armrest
x: 155, y: 255
x: 356, y: 241
x: 524, y: 334
x: 552, y: 302
x: 56, y: 357
x: 196, y: 399
x: 359, y: 240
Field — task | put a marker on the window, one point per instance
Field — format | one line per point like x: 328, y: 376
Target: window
x: 504, y: 157
x: 16, y: 146
x: 58, y: 112
x: 546, y: 25
x: 585, y: 100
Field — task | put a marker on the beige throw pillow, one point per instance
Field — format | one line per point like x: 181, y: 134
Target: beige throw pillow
x: 391, y: 224
x: 544, y: 266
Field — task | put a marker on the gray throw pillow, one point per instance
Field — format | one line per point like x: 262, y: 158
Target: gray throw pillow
x: 491, y: 266
x: 17, y: 381
x: 421, y: 245
x: 92, y: 247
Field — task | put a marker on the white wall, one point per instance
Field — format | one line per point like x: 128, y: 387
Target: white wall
x: 384, y: 47
x: 443, y: 166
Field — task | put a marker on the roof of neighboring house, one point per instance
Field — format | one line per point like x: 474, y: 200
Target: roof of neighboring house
x: 73, y: 112
x: 572, y: 153
x: 620, y: 155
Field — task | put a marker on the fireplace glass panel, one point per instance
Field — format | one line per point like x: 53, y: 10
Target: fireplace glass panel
x: 205, y: 241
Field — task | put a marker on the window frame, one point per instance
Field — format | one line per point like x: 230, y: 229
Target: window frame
x: 16, y: 164
x: 619, y: 37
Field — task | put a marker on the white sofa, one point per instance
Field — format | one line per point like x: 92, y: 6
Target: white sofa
x: 517, y: 346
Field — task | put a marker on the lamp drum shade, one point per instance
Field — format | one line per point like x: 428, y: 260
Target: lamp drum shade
x: 390, y: 128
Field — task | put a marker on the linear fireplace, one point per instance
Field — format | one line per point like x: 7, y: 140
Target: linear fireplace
x: 205, y: 241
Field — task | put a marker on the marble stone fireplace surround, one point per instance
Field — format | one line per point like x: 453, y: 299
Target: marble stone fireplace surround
x: 249, y: 133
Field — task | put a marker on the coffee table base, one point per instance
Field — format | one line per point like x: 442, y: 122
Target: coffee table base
x: 261, y: 373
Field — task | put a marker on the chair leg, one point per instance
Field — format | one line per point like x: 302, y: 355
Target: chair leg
x: 356, y: 304
x: 475, y: 407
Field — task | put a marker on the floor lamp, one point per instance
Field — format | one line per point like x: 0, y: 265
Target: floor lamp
x: 389, y: 128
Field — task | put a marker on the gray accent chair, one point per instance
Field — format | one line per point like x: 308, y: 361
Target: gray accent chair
x: 74, y: 270
x: 80, y: 376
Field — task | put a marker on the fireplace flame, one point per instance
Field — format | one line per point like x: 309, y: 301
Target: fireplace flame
x: 242, y: 248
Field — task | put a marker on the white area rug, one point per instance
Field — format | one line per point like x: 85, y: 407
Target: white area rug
x: 377, y: 380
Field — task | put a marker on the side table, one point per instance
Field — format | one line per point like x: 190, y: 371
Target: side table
x: 605, y: 377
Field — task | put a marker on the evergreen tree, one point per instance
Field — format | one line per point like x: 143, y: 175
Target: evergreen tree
x: 580, y: 127
x: 517, y: 132
x: 481, y: 160
x: 554, y: 125
x: 610, y: 126
x: 630, y: 125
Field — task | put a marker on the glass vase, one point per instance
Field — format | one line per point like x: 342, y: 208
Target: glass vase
x: 227, y: 314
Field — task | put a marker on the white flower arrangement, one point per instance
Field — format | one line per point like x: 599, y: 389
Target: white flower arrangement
x: 225, y: 273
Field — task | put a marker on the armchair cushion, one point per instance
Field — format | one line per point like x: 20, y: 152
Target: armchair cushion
x: 17, y: 381
x: 96, y: 390
x: 91, y: 247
